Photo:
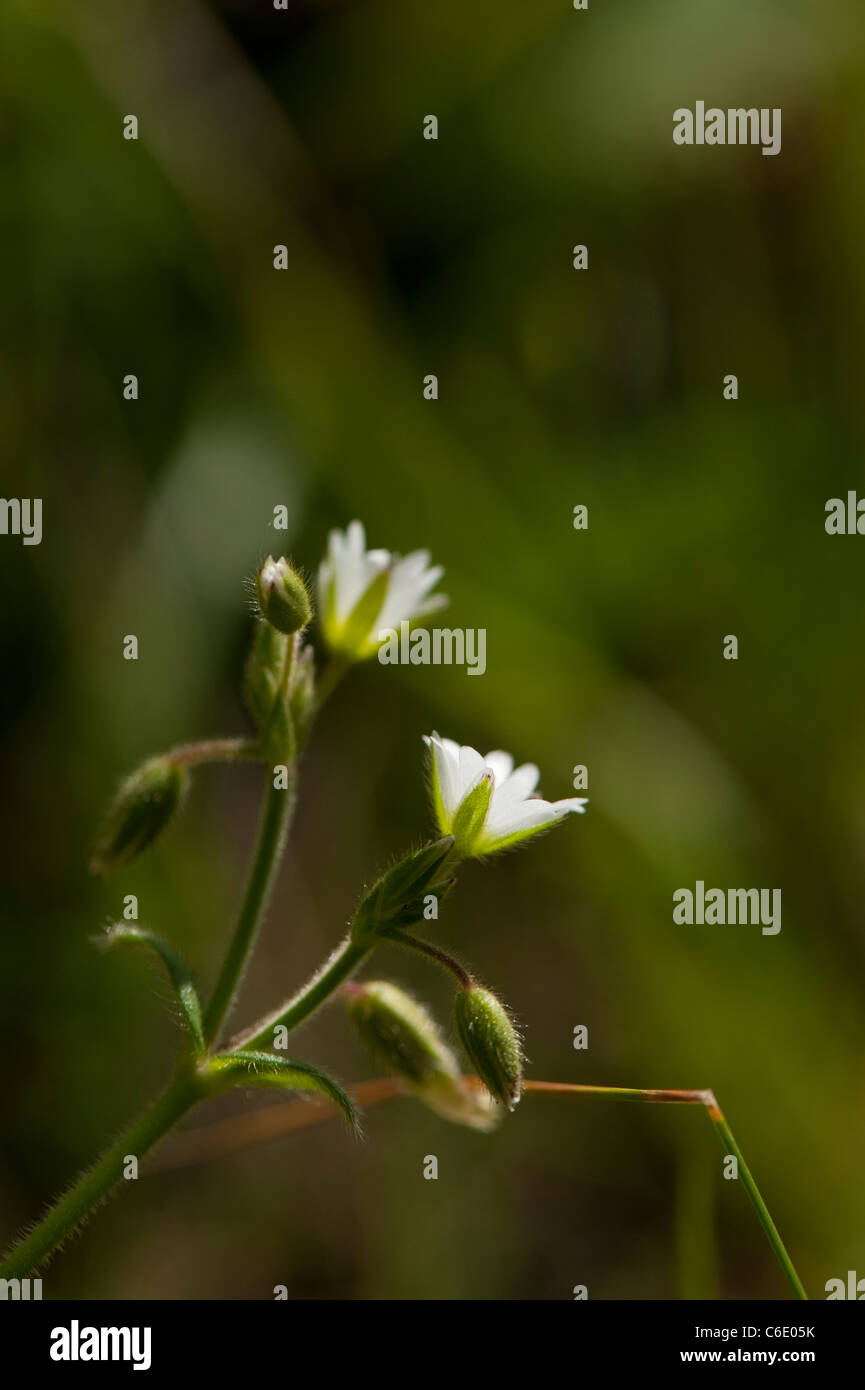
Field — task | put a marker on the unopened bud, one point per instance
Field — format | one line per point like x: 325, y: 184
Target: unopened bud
x: 406, y: 1040
x: 263, y: 671
x: 141, y: 810
x: 490, y: 1042
x: 399, y: 897
x: 399, y: 1032
x: 301, y: 696
x: 282, y: 596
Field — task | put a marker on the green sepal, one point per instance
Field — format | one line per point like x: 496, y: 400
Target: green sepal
x: 397, y: 898
x: 269, y: 679
x: 301, y: 694
x: 357, y: 638
x: 263, y: 672
x: 264, y: 1069
x: 178, y: 971
x: 141, y: 810
x: 413, y: 912
x: 468, y: 822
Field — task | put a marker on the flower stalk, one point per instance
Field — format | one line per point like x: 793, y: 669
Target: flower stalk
x: 339, y: 967
x: 275, y: 822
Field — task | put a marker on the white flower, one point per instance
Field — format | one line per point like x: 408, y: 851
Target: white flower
x: 486, y: 803
x: 362, y: 592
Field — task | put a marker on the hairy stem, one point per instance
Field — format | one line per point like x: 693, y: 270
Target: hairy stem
x: 341, y: 964
x: 94, y: 1185
x: 215, y: 750
x: 275, y: 820
x: 434, y: 953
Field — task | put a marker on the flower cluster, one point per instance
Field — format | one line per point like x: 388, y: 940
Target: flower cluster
x: 481, y: 805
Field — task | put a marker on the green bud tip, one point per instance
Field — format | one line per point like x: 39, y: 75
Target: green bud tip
x: 282, y: 596
x: 491, y: 1043
x: 144, y: 805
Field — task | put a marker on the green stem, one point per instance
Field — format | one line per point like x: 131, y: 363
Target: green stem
x: 94, y: 1185
x: 725, y: 1134
x: 278, y: 807
x: 341, y: 964
x: 434, y: 953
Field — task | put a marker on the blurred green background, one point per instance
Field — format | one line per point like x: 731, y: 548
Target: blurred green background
x: 304, y: 388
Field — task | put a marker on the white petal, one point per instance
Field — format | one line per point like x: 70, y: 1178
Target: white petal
x: 354, y: 577
x: 325, y: 579
x: 471, y: 769
x: 521, y: 783
x: 446, y: 755
x: 431, y: 605
x: 355, y: 538
x: 410, y: 582
x: 510, y: 818
x: 415, y: 562
x: 501, y: 763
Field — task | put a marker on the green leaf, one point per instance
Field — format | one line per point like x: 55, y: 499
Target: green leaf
x: 264, y: 1069
x: 178, y: 971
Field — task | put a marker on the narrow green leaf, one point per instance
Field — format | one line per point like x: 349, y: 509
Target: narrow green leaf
x: 178, y: 971
x: 264, y: 1069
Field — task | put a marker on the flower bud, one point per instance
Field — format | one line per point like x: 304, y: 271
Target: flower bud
x: 301, y: 695
x: 406, y: 1040
x: 400, y: 1033
x: 263, y: 671
x: 398, y: 898
x: 490, y: 1042
x: 141, y: 810
x: 282, y: 596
